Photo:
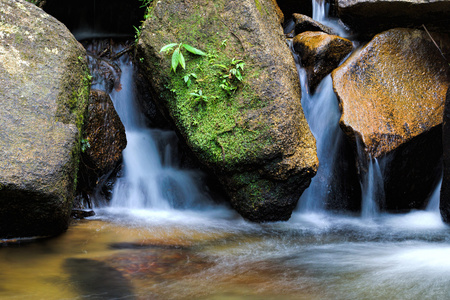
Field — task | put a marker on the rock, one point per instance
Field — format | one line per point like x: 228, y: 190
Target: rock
x: 373, y: 16
x: 44, y: 90
x: 81, y: 213
x: 320, y: 53
x: 444, y: 204
x: 104, y: 142
x: 391, y: 94
x: 304, y: 23
x: 254, y: 138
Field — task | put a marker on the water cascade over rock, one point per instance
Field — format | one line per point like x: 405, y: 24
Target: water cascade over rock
x: 392, y: 93
x: 320, y: 53
x: 253, y: 137
x: 43, y: 95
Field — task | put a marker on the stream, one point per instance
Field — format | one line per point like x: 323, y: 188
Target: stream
x: 163, y: 237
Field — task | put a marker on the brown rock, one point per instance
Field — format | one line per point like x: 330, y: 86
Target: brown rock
x: 104, y: 132
x: 103, y: 145
x: 392, y: 95
x: 320, y: 53
x: 304, y: 23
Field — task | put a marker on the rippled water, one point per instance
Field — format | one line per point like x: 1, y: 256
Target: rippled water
x: 214, y: 254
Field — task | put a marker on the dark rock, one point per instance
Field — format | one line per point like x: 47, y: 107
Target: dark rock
x: 44, y: 90
x: 255, y: 139
x: 104, y: 142
x: 444, y: 204
x: 81, y: 214
x: 320, y: 53
x: 391, y: 93
x: 370, y: 17
x: 304, y: 23
x: 97, y: 280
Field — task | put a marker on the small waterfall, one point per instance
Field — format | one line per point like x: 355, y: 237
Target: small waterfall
x: 433, y: 202
x: 322, y: 112
x: 152, y: 178
x: 372, y: 190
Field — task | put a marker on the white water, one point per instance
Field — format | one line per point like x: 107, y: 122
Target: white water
x: 152, y: 177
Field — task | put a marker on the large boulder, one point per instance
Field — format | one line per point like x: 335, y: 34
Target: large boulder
x: 320, y: 53
x: 43, y: 91
x: 373, y: 16
x: 392, y: 94
x: 253, y: 137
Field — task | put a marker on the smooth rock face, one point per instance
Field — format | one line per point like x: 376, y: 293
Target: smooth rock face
x: 320, y: 53
x: 43, y: 96
x: 373, y: 16
x: 392, y: 94
x: 255, y: 139
x: 105, y: 134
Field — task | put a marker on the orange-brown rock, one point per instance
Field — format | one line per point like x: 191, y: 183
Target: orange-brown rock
x: 320, y: 53
x: 392, y: 94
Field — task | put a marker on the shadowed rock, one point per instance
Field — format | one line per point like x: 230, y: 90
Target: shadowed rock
x: 369, y: 16
x: 97, y: 280
x: 304, y: 23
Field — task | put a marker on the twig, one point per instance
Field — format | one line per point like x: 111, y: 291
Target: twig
x: 434, y: 42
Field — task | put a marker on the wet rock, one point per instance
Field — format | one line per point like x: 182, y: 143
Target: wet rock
x: 391, y: 94
x: 81, y: 214
x: 320, y: 53
x: 369, y: 16
x: 444, y: 204
x: 254, y: 138
x: 304, y: 23
x: 103, y: 144
x: 43, y: 91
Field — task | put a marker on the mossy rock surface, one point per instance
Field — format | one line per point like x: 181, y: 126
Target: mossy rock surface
x: 44, y: 87
x: 259, y: 129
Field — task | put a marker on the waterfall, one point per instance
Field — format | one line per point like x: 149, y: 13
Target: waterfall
x: 152, y: 177
x: 372, y: 189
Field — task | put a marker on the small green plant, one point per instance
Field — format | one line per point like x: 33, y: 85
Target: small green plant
x: 85, y: 145
x: 232, y: 75
x: 189, y: 78
x: 138, y: 30
x: 199, y: 97
x: 177, y: 56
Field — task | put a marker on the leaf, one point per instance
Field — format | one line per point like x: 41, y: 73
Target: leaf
x: 175, y: 59
x: 181, y: 60
x: 167, y: 47
x: 193, y: 50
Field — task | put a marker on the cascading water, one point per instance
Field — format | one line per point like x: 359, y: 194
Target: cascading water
x: 152, y: 178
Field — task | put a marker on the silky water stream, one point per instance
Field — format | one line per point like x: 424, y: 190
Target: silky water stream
x: 162, y: 237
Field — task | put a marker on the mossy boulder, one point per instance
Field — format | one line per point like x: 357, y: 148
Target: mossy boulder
x: 44, y: 89
x: 320, y: 53
x: 255, y: 138
x: 373, y: 16
x: 392, y: 94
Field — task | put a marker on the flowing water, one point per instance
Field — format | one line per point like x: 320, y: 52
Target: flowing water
x: 164, y: 238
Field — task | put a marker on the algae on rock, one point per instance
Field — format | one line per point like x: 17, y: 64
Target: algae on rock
x: 256, y: 139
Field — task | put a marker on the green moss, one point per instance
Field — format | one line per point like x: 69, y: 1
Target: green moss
x: 258, y: 5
